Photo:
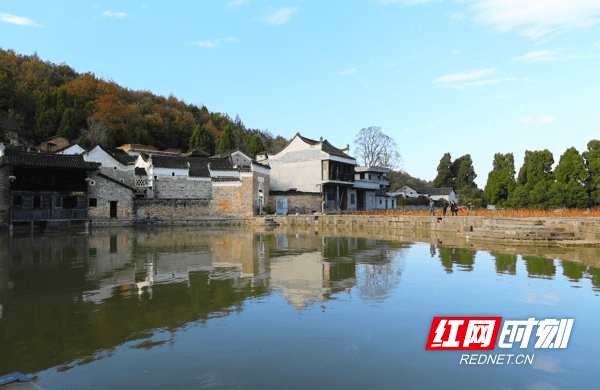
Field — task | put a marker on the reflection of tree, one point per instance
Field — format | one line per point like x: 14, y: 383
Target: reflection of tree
x: 595, y: 276
x: 376, y: 282
x: 462, y: 257
x: 574, y: 271
x: 539, y: 268
x: 505, y: 264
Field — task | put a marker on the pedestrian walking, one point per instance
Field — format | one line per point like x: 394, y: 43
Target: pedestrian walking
x: 453, y: 208
x: 444, y: 206
x: 431, y: 204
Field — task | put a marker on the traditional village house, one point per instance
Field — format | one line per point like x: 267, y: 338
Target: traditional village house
x: 370, y: 187
x: 73, y: 148
x: 310, y: 176
x: 41, y: 187
x: 53, y: 143
x: 437, y: 194
x: 115, y: 163
x: 231, y: 190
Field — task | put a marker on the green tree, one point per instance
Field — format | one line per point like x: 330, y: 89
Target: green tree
x: 501, y: 181
x: 201, y: 139
x: 227, y: 141
x: 570, y: 173
x: 535, y: 180
x: 464, y: 173
x: 444, y: 177
x: 254, y: 145
x: 592, y: 163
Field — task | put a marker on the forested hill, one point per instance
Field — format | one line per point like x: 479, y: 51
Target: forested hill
x: 46, y: 99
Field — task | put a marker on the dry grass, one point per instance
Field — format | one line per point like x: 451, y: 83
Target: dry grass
x: 508, y: 213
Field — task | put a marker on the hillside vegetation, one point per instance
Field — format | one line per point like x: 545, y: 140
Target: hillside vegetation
x: 43, y: 99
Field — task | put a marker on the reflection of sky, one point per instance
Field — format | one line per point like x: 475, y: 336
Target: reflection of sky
x: 370, y: 334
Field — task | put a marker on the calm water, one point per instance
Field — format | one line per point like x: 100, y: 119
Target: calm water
x: 226, y: 309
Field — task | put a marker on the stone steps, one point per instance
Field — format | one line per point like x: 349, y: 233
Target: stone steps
x: 512, y: 232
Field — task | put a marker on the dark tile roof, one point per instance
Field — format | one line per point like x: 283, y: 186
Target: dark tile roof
x: 225, y: 179
x: 118, y: 154
x: 326, y: 147
x: 198, y: 166
x: 45, y: 160
x: 196, y: 153
x: 220, y: 164
x: 140, y: 171
x: 329, y: 148
x: 199, y: 169
x: 172, y: 162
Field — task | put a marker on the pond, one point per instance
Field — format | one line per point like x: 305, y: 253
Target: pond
x: 190, y: 308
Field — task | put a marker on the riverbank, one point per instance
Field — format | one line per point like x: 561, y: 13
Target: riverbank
x: 555, y: 231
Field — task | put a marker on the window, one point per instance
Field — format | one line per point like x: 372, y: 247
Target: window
x: 69, y: 202
x: 37, y: 202
x: 172, y: 173
x: 18, y: 200
x: 93, y: 202
x: 352, y: 200
x: 362, y: 176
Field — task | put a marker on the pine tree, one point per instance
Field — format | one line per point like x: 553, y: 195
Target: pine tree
x: 444, y: 177
x: 227, y: 141
x: 202, y: 139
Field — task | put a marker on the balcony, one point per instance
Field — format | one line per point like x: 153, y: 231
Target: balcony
x: 347, y: 177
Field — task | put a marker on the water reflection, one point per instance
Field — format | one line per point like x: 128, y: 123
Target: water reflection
x: 72, y: 299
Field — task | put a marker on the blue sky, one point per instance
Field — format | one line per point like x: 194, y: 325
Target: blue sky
x: 467, y: 76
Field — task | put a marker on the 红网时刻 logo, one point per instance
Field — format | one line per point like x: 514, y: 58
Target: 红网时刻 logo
x: 481, y: 333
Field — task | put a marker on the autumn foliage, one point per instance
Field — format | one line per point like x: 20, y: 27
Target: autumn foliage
x: 46, y: 99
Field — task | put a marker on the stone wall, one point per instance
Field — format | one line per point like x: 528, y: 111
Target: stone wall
x: 171, y: 209
x: 104, y: 191
x: 310, y: 202
x: 180, y: 187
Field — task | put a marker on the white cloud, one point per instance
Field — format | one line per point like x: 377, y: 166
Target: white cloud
x: 457, y: 16
x: 536, y: 18
x: 18, y: 20
x: 280, y: 16
x: 233, y: 4
x: 536, y: 56
x: 110, y: 14
x: 455, y: 52
x: 366, y: 86
x: 474, y: 74
x: 347, y: 72
x: 215, y: 42
x: 526, y: 119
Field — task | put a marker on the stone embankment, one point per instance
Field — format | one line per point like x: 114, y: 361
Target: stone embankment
x: 556, y: 231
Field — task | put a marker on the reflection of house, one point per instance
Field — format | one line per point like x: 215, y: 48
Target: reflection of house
x: 308, y: 175
x: 433, y: 193
x: 370, y: 188
x: 43, y: 186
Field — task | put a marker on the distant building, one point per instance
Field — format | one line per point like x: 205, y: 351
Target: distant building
x: 370, y: 187
x: 53, y: 143
x: 429, y: 192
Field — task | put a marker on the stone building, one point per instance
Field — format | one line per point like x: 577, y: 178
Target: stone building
x: 310, y: 176
x: 109, y: 198
x: 115, y: 163
x: 41, y: 187
x: 370, y: 187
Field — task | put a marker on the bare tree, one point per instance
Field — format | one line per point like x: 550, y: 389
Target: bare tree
x: 374, y: 148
